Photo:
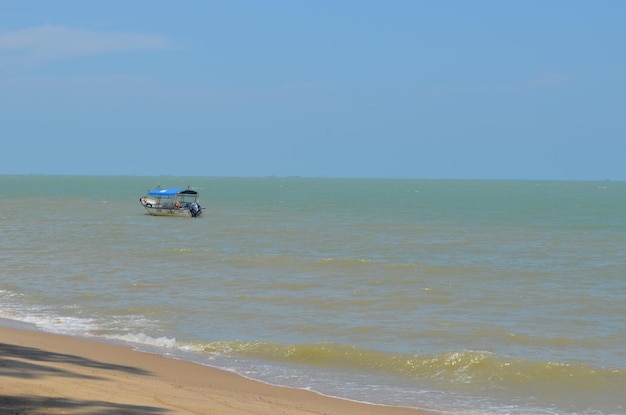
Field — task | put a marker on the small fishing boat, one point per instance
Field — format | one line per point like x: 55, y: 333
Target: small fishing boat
x: 172, y: 202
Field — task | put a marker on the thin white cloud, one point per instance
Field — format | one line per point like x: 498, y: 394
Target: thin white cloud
x: 38, y: 45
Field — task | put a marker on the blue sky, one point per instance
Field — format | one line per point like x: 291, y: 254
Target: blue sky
x: 397, y: 89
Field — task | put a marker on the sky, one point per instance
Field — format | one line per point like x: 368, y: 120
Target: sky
x: 444, y: 89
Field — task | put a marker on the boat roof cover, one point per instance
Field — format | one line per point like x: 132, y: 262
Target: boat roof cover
x: 170, y: 192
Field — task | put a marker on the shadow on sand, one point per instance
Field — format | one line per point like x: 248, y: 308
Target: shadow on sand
x: 32, y: 369
x: 30, y: 363
x: 45, y: 405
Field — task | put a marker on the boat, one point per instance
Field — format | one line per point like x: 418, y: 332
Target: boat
x: 172, y: 202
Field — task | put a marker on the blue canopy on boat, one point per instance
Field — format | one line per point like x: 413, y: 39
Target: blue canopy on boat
x: 164, y: 192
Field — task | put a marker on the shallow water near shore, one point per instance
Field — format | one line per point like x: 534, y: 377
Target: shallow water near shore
x: 481, y: 297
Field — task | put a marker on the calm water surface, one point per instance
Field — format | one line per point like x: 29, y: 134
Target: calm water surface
x: 467, y: 297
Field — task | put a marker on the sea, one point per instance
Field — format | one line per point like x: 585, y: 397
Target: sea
x: 481, y: 297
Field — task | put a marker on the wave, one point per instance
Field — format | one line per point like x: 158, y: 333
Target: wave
x: 474, y: 372
x: 458, y: 367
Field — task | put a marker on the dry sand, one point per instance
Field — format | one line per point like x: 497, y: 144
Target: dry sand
x: 42, y: 373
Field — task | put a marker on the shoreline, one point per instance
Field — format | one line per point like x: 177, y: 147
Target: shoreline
x: 48, y: 373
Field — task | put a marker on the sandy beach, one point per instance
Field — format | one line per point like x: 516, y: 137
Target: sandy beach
x: 42, y: 373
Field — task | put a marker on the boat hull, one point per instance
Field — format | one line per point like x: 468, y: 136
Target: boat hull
x: 162, y: 211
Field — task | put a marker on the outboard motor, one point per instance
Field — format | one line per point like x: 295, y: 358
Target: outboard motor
x: 195, y: 209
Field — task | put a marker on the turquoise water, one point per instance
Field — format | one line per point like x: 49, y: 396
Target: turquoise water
x: 466, y: 297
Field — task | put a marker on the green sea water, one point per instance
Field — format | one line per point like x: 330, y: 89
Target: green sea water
x: 481, y: 297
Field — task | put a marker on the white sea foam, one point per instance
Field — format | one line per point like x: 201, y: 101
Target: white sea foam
x: 53, y: 324
x: 144, y: 339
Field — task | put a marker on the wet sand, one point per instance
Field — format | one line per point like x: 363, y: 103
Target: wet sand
x: 42, y: 373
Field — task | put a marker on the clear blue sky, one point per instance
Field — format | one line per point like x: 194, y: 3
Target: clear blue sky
x: 527, y: 89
